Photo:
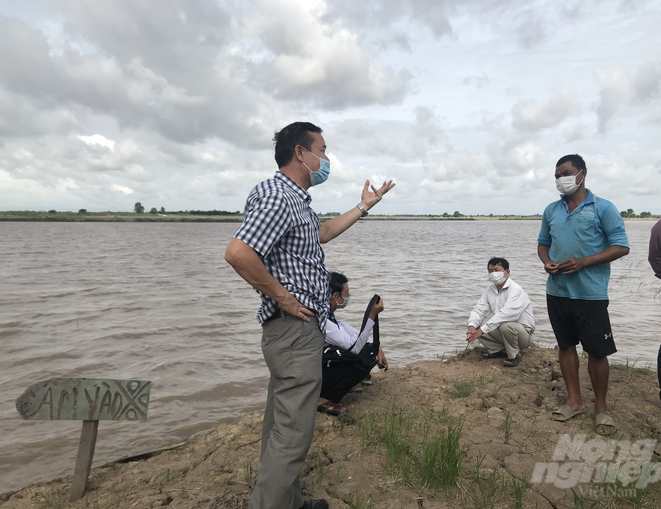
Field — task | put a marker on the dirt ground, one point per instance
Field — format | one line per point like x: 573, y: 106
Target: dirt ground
x: 501, y: 416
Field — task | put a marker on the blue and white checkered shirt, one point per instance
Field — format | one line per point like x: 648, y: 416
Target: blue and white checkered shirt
x: 284, y: 231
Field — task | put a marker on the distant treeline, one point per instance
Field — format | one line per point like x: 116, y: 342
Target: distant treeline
x: 629, y: 213
x: 213, y: 212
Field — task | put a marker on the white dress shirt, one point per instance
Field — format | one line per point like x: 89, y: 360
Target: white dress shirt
x: 510, y: 304
x: 344, y: 335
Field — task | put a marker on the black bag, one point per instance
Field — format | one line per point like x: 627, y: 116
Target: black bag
x: 366, y: 358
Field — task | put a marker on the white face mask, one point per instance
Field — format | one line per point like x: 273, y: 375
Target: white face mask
x: 497, y: 278
x: 344, y: 304
x: 568, y: 185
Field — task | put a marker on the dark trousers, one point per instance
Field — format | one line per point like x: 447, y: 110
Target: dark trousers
x: 341, y: 377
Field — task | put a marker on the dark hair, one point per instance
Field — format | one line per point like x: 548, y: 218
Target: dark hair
x: 337, y: 282
x: 575, y: 160
x: 499, y: 261
x: 294, y: 134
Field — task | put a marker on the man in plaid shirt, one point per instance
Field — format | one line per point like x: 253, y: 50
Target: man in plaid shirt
x: 277, y: 250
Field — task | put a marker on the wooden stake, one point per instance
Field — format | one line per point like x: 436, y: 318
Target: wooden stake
x: 84, y: 459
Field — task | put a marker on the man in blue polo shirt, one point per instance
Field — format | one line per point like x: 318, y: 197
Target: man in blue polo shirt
x: 581, y: 234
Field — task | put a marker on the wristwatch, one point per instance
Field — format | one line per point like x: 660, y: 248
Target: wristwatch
x: 362, y: 210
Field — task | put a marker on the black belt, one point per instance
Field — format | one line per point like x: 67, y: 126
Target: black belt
x: 280, y: 313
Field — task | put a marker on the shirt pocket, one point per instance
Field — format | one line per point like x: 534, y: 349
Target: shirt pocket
x: 587, y: 229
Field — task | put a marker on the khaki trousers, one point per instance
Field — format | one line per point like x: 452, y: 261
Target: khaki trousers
x: 292, y: 351
x: 511, y: 336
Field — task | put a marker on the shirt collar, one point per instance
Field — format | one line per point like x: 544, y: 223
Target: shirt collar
x: 505, y: 285
x: 304, y: 195
x: 591, y: 198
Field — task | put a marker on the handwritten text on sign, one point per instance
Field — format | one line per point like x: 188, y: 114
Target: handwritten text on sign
x: 85, y: 399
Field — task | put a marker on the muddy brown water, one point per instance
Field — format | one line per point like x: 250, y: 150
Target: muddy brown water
x: 158, y: 302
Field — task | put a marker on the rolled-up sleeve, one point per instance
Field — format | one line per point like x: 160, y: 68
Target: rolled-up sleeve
x: 655, y: 249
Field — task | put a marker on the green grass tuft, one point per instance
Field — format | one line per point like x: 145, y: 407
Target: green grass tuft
x: 461, y: 389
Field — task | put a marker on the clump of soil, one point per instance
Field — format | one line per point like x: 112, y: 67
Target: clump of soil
x: 500, y: 416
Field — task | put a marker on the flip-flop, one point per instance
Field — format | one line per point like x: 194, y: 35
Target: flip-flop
x: 604, y: 420
x: 495, y: 355
x: 512, y: 363
x: 564, y: 413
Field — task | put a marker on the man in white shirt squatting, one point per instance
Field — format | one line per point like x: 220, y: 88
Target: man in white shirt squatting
x: 511, y: 327
x: 338, y: 378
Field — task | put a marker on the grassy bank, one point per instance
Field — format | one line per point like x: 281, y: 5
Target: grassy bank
x: 169, y: 217
x: 42, y: 216
x: 117, y: 217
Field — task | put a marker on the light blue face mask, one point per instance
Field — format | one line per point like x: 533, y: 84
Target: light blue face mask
x: 320, y: 176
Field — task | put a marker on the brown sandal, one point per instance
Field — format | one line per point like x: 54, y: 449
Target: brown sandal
x: 512, y: 363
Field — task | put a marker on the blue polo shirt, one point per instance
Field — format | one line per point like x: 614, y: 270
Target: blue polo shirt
x: 592, y: 227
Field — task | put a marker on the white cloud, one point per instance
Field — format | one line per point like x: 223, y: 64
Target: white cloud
x: 321, y: 62
x: 122, y: 189
x: 615, y: 91
x: 647, y: 81
x: 97, y: 139
x: 532, y: 116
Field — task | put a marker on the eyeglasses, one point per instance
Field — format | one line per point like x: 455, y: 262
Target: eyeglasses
x: 344, y: 296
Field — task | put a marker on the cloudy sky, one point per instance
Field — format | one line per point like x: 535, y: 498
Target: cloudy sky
x: 466, y: 105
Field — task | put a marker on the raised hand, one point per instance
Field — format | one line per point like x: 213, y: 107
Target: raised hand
x: 371, y: 198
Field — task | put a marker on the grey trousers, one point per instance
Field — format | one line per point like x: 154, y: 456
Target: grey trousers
x: 292, y: 351
x: 511, y: 336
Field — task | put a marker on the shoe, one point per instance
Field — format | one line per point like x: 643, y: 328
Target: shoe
x: 606, y: 421
x: 495, y: 355
x: 512, y: 363
x: 331, y: 408
x: 367, y: 380
x: 338, y: 410
x: 315, y: 504
x: 564, y: 413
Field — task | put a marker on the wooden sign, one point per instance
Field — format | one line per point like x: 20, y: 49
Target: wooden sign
x: 85, y: 399
x: 89, y: 400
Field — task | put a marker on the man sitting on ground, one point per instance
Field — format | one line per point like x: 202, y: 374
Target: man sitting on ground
x: 511, y: 327
x: 338, y: 378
